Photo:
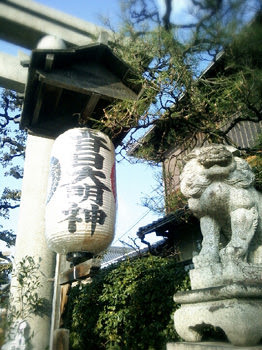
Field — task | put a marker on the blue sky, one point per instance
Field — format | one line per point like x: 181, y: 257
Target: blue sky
x: 89, y: 10
x: 134, y: 181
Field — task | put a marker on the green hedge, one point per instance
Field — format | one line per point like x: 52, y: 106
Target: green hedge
x: 127, y: 306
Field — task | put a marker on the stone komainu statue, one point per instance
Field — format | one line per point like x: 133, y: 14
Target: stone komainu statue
x: 226, y: 280
x: 220, y: 191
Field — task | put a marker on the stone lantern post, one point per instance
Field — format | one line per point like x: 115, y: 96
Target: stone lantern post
x: 66, y: 88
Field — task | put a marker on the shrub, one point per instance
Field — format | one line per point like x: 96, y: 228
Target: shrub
x: 255, y: 162
x: 127, y: 306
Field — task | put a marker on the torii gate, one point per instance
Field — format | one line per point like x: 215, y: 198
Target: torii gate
x: 24, y: 23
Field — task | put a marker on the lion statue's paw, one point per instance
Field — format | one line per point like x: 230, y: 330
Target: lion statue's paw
x: 231, y: 253
x: 205, y: 259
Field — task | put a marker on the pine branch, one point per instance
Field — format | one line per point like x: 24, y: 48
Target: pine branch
x: 8, y: 237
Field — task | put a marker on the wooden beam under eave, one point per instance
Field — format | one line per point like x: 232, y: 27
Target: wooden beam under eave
x: 90, y: 106
x: 80, y: 271
x: 39, y: 101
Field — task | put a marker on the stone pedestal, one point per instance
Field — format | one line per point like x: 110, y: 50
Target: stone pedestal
x: 235, y: 308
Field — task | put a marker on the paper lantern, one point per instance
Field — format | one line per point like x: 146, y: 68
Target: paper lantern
x: 81, y: 201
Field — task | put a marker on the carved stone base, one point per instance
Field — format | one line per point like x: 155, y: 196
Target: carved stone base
x: 236, y: 309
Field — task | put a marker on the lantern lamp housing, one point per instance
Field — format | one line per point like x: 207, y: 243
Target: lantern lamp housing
x: 81, y: 196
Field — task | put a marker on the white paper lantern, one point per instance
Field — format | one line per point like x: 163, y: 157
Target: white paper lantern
x: 81, y: 201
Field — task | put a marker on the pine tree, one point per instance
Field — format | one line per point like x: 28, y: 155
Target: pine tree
x: 179, y: 99
x: 12, y: 143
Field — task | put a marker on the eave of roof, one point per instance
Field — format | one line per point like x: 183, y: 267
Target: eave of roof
x: 159, y: 226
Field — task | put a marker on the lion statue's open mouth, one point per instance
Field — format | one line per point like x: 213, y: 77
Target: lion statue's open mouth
x: 219, y: 155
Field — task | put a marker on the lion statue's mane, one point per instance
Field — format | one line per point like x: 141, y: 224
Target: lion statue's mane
x: 220, y: 190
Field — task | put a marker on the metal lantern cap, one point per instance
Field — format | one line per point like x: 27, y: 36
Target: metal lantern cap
x: 66, y: 84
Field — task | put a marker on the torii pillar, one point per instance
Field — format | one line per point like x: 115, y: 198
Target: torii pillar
x: 30, y: 239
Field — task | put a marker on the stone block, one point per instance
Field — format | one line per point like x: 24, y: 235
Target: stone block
x: 218, y: 275
x: 208, y: 346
